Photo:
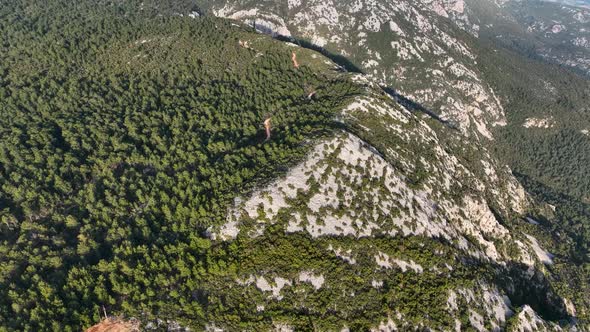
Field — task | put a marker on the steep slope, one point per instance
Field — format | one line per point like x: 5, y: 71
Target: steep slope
x: 407, y: 45
x: 477, y: 65
x: 427, y: 50
x: 545, y: 141
x: 369, y: 222
x: 136, y: 176
x: 554, y: 32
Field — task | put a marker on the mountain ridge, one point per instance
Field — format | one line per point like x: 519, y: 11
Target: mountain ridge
x: 151, y: 192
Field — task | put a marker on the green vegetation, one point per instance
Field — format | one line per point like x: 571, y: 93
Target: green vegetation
x: 127, y: 131
x: 549, y: 31
x: 124, y: 135
x: 552, y: 163
x: 349, y: 300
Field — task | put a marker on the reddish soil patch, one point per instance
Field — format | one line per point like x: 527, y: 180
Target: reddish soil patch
x: 114, y: 325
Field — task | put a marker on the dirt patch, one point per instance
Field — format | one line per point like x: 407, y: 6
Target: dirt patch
x: 115, y: 325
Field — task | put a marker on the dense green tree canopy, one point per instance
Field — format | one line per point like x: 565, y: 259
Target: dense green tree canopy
x: 125, y: 131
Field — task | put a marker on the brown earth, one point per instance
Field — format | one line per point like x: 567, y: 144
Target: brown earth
x: 114, y: 325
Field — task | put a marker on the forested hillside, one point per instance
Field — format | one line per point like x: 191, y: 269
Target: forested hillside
x: 546, y: 141
x: 124, y: 134
x: 137, y: 180
x: 499, y: 69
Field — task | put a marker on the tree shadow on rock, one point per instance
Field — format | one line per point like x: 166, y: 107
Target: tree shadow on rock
x: 414, y: 107
x: 338, y: 59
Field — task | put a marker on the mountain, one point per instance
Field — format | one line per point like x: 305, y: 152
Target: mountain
x: 474, y: 65
x: 408, y: 44
x: 137, y: 180
x: 434, y: 66
x: 443, y: 57
x: 553, y: 32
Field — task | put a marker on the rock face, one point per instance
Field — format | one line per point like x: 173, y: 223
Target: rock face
x: 326, y: 184
x: 397, y: 173
x: 539, y: 123
x: 427, y: 50
x: 354, y: 185
x: 399, y: 44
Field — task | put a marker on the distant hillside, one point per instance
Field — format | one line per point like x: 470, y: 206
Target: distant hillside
x: 579, y: 3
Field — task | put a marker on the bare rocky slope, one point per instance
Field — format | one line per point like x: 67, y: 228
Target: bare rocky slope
x: 428, y: 50
x: 434, y: 63
x: 395, y: 198
x: 401, y: 173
